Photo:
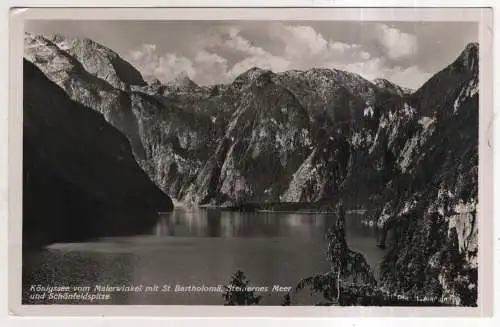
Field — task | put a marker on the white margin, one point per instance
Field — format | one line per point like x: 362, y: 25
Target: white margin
x: 485, y: 174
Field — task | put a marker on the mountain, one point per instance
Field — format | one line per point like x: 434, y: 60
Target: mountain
x: 183, y: 83
x: 338, y: 109
x: 448, y: 81
x: 328, y: 111
x: 310, y: 136
x: 266, y: 140
x: 167, y: 142
x: 100, y: 61
x: 178, y: 129
x: 80, y: 179
x: 176, y: 142
x: 84, y: 87
x: 432, y: 198
x: 391, y: 87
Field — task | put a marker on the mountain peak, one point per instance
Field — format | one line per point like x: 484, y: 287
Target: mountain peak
x: 65, y: 42
x: 390, y: 86
x: 469, y: 57
x: 95, y: 58
x: 472, y: 46
x: 250, y: 75
x: 183, y: 80
x: 253, y: 72
x: 382, y: 82
x: 255, y: 69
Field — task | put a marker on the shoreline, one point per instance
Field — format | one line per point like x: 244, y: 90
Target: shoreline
x: 264, y: 207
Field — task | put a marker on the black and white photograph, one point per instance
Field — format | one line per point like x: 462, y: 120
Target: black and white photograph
x: 251, y: 162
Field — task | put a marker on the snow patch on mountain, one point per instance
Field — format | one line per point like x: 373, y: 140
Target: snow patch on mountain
x: 368, y: 112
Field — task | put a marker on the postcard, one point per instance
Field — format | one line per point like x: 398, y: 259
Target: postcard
x: 300, y: 161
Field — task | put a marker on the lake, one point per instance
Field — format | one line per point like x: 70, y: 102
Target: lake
x: 200, y: 248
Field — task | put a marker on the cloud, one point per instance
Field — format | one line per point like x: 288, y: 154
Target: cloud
x: 303, y: 48
x: 238, y: 43
x: 253, y: 55
x: 397, y: 44
x: 364, y: 55
x: 369, y: 69
x: 222, y: 53
x: 302, y: 39
x: 205, y: 67
x: 163, y: 67
x: 412, y: 77
x: 306, y: 48
x: 210, y: 68
x: 171, y: 65
x: 143, y: 53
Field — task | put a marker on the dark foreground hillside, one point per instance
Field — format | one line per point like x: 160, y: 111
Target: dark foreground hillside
x: 80, y: 179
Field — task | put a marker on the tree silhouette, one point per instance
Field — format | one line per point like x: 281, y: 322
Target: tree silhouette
x: 349, y: 276
x: 237, y: 292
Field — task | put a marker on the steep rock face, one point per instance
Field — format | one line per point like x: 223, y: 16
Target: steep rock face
x: 319, y: 176
x: 432, y: 213
x: 83, y: 87
x: 345, y: 111
x: 342, y: 110
x: 266, y: 140
x: 312, y: 135
x: 447, y: 82
x: 80, y: 179
x: 100, y: 61
x: 329, y: 94
x: 177, y: 143
x: 204, y: 144
x: 168, y: 143
x: 174, y: 128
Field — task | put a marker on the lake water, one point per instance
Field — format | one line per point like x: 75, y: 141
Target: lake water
x: 198, y: 247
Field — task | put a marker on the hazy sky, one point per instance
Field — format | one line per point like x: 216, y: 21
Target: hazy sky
x: 406, y: 53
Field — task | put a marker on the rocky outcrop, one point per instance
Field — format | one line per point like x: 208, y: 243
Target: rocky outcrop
x: 268, y: 137
x: 80, y: 179
x: 100, y: 61
x: 84, y: 87
x: 447, y: 83
x: 177, y: 143
x: 313, y: 136
x: 432, y: 213
x: 178, y: 130
x: 340, y: 111
x: 169, y: 143
x: 423, y: 155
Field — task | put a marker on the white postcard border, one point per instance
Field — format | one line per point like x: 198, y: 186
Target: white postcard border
x: 483, y: 16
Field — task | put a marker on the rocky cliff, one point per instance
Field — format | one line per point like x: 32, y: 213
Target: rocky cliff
x: 80, y: 178
x: 434, y: 193
x: 203, y: 144
x: 100, y: 61
x: 307, y: 136
x: 86, y: 88
x: 191, y: 141
x: 169, y: 142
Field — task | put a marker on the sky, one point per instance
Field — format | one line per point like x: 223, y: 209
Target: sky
x: 406, y: 53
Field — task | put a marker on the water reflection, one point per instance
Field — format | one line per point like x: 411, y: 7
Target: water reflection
x: 216, y: 223
x: 202, y: 246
